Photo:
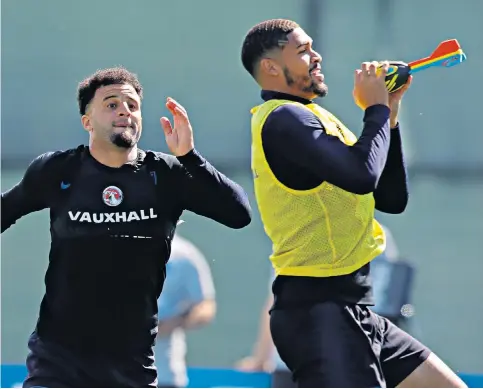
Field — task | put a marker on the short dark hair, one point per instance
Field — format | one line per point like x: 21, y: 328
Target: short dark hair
x: 263, y: 37
x: 110, y: 76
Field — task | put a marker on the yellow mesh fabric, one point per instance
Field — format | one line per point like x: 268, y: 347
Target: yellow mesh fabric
x: 321, y: 232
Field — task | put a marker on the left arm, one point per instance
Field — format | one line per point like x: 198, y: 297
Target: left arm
x: 392, y: 194
x: 209, y: 193
x: 205, y: 190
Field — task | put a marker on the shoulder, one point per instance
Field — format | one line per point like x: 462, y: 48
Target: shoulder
x: 290, y: 117
x: 55, y: 160
x: 162, y: 160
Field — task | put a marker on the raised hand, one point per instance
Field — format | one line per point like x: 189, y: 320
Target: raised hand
x: 369, y: 85
x: 179, y: 136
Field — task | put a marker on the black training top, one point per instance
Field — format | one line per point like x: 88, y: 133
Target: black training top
x: 111, y: 231
x: 302, y: 156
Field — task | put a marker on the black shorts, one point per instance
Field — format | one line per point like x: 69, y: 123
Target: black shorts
x: 282, y: 379
x: 51, y: 365
x: 333, y: 344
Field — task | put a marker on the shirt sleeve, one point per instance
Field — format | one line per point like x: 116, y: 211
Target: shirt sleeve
x: 392, y: 193
x: 209, y: 193
x: 30, y: 194
x: 296, y: 134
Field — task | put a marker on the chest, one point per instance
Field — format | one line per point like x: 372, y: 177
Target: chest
x: 128, y: 202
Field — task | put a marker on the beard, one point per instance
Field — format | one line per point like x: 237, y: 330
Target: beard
x: 126, y: 139
x: 306, y: 83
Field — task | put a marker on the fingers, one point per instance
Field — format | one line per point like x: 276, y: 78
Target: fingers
x: 175, y: 107
x: 410, y: 80
x: 177, y: 110
x: 357, y: 76
x: 373, y: 69
x: 382, y: 69
x: 167, y: 128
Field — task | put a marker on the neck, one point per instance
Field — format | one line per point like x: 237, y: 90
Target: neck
x: 288, y: 90
x: 112, y: 156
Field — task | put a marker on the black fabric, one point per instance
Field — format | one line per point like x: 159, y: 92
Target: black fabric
x: 298, y: 291
x: 333, y: 344
x: 282, y: 379
x: 109, y: 247
x: 54, y: 366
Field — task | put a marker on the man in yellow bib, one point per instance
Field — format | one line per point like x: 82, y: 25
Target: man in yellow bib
x: 317, y: 187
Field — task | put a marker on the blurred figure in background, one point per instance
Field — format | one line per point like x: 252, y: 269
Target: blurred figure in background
x: 265, y: 356
x: 187, y: 302
x: 391, y: 281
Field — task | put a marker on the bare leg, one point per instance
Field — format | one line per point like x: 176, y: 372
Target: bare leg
x: 432, y: 373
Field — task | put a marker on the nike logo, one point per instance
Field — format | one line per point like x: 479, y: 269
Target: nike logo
x: 64, y: 185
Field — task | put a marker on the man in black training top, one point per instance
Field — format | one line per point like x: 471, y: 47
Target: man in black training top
x: 113, y: 210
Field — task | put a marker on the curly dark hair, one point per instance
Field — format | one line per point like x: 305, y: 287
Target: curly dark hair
x: 263, y: 37
x: 117, y: 75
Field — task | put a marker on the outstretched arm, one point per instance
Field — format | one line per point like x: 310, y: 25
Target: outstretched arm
x: 205, y: 191
x: 209, y: 193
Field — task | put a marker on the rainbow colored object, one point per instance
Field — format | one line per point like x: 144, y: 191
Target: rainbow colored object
x: 447, y: 54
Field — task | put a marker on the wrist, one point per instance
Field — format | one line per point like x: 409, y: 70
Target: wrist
x: 183, y: 153
x: 191, y: 157
x: 393, y: 117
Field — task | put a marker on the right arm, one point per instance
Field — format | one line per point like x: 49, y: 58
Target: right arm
x: 29, y: 195
x: 207, y: 192
x: 298, y: 135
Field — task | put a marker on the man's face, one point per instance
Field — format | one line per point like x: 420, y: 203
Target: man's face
x: 114, y: 115
x: 301, y: 66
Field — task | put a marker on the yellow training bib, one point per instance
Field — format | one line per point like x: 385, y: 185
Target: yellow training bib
x: 322, y: 232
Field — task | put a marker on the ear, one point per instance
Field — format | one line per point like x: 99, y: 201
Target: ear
x: 270, y: 67
x: 86, y: 123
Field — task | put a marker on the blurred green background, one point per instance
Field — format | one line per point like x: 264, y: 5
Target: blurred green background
x: 191, y: 51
